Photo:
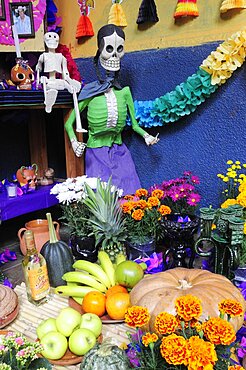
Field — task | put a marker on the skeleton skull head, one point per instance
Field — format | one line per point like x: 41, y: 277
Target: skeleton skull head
x: 22, y: 75
x: 111, y: 47
x: 51, y: 40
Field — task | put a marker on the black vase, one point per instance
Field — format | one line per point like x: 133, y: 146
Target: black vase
x: 84, y: 248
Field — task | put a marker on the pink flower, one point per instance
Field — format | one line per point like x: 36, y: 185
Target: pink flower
x: 21, y: 353
x: 19, y: 341
x: 193, y: 199
x: 195, y: 179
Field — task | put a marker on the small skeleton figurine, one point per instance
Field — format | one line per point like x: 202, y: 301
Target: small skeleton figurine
x: 52, y: 63
x: 108, y: 103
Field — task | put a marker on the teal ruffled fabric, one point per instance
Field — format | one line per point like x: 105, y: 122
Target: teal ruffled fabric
x: 175, y: 104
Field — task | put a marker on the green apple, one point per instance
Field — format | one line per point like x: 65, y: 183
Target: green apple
x: 67, y: 321
x: 54, y: 345
x: 92, y: 322
x: 81, y: 341
x: 46, y: 326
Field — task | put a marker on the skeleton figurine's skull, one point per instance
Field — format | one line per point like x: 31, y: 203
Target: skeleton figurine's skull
x: 22, y: 75
x: 51, y: 40
x: 111, y: 49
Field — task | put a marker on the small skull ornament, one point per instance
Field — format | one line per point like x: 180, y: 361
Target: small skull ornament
x: 111, y: 51
x: 22, y: 75
x: 51, y: 40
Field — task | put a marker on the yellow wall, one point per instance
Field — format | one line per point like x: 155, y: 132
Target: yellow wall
x: 209, y: 26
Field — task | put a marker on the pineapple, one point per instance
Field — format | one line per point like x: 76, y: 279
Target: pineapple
x: 107, y: 220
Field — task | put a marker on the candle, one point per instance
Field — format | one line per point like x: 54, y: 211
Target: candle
x: 16, y: 40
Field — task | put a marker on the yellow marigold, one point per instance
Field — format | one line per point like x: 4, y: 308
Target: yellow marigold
x: 188, y: 307
x: 241, y: 199
x: 142, y: 204
x: 149, y: 338
x: 228, y: 202
x: 164, y: 210
x: 141, y: 193
x: 138, y: 214
x: 137, y: 316
x: 242, y: 187
x: 244, y: 228
x: 231, y: 307
x: 154, y: 201
x: 165, y: 323
x: 174, y: 349
x: 158, y: 193
x: 235, y: 367
x: 213, y: 227
x: 219, y: 331
x: 202, y: 354
x: 129, y: 197
x: 198, y: 326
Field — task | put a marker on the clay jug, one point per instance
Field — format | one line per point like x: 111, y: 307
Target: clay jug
x: 41, y: 233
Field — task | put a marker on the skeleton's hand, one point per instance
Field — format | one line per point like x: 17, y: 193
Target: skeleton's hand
x: 150, y: 140
x: 78, y: 147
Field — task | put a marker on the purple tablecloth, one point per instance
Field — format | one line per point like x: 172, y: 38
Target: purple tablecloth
x: 30, y: 202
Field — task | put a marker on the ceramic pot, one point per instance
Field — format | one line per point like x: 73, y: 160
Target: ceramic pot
x: 84, y: 248
x: 41, y: 233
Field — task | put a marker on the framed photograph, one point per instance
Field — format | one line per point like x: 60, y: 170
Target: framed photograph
x: 21, y: 14
x: 2, y: 11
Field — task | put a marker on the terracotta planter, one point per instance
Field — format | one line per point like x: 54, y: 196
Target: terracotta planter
x: 41, y: 233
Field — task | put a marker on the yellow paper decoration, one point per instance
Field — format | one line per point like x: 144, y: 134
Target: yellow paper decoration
x: 232, y: 4
x: 117, y: 16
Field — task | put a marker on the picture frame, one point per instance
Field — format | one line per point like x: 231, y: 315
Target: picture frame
x: 21, y: 14
x: 2, y: 11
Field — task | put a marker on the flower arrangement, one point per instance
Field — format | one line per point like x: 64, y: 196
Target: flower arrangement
x: 143, y: 213
x: 181, y: 341
x: 71, y: 194
x: 17, y: 353
x: 180, y: 193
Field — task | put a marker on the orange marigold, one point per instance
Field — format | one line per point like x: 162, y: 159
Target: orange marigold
x: 174, y: 349
x: 153, y: 201
x: 126, y: 207
x: 231, y: 307
x: 138, y: 214
x: 165, y: 323
x: 129, y: 197
x: 219, y: 331
x: 235, y: 367
x: 137, y: 316
x: 191, y: 323
x: 149, y: 338
x: 164, y: 210
x: 202, y: 354
x: 142, y: 204
x: 188, y: 307
x: 141, y: 193
x: 158, y: 193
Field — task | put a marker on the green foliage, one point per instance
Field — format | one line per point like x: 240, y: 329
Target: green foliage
x: 75, y: 216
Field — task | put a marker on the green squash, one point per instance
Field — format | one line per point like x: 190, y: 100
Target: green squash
x: 105, y: 356
x: 58, y: 256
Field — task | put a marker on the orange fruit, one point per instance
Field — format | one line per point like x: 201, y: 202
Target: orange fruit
x: 94, y: 302
x: 117, y: 304
x: 116, y: 289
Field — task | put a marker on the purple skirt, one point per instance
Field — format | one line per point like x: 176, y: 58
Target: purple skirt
x: 115, y: 161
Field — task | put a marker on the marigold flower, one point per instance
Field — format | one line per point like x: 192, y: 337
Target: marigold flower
x: 191, y: 323
x: 231, y: 307
x: 141, y: 193
x: 137, y: 316
x: 202, y: 354
x: 129, y: 197
x: 219, y: 331
x: 174, y: 349
x: 235, y: 367
x: 154, y: 201
x: 241, y: 199
x: 142, y: 204
x: 242, y: 187
x: 188, y: 307
x: 164, y: 210
x: 138, y: 214
x: 244, y: 228
x: 149, y: 338
x: 158, y: 193
x: 228, y: 203
x: 165, y: 323
x: 127, y: 207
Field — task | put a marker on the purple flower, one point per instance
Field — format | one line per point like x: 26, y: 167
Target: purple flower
x: 241, y: 352
x: 193, y: 199
x: 195, y: 180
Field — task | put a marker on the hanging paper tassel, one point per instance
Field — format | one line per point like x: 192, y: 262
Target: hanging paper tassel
x: 186, y: 8
x: 116, y: 15
x: 232, y: 4
x: 84, y: 26
x: 147, y: 12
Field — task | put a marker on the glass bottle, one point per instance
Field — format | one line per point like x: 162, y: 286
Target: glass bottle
x: 35, y: 272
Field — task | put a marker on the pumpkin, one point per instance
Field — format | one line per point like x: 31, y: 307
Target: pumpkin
x: 58, y: 256
x: 158, y: 292
x: 105, y: 356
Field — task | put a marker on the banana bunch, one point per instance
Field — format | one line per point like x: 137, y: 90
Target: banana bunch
x: 89, y: 277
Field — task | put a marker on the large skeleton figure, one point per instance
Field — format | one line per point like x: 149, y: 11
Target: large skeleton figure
x: 52, y: 63
x: 108, y: 104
